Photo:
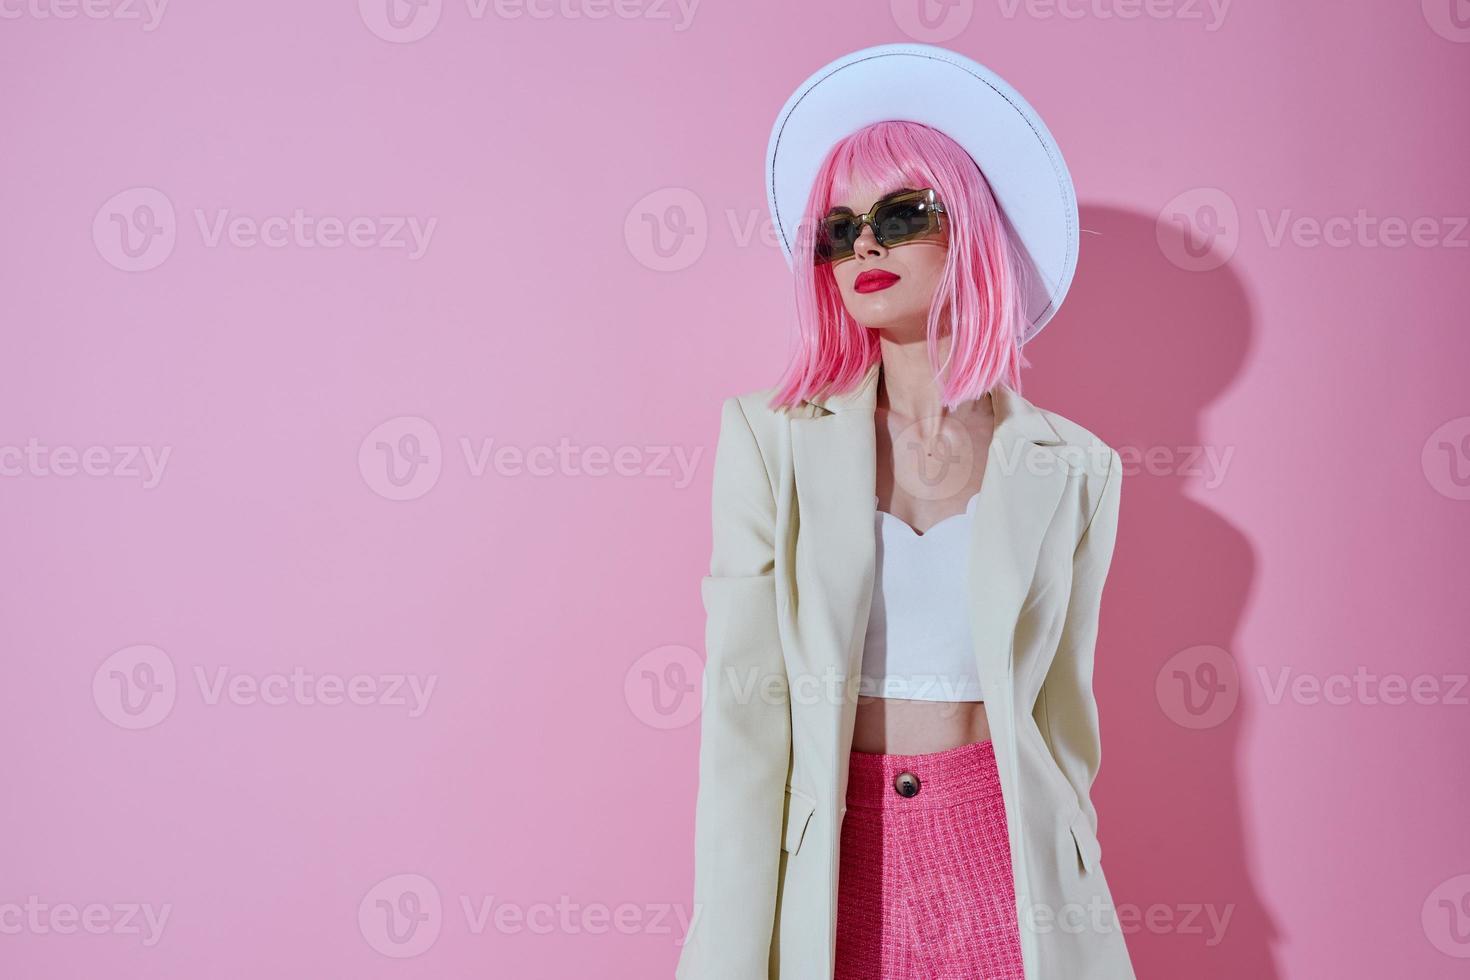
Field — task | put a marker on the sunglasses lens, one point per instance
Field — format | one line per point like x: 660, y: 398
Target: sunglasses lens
x: 836, y: 238
x: 902, y: 220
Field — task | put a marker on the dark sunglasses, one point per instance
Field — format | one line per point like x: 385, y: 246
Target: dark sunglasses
x: 903, y: 216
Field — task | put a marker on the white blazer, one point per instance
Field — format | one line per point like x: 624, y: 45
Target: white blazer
x: 787, y: 598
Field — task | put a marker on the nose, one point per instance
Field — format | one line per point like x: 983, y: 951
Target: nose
x: 867, y: 243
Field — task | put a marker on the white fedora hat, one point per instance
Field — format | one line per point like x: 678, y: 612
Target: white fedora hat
x: 967, y: 102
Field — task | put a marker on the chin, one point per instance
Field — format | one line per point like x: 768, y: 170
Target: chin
x: 879, y: 314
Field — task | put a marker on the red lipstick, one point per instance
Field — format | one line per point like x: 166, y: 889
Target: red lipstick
x: 872, y: 280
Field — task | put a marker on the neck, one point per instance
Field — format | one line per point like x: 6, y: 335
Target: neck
x: 906, y: 384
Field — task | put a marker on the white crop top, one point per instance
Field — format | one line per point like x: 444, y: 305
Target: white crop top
x: 919, y: 643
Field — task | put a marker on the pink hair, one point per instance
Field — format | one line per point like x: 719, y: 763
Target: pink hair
x: 980, y: 296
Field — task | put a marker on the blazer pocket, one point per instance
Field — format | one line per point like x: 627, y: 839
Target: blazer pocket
x: 1088, y: 846
x: 799, y: 810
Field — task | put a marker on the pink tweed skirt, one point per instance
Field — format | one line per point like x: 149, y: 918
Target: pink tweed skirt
x: 924, y: 887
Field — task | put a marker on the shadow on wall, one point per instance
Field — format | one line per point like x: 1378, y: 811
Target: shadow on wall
x: 1137, y: 354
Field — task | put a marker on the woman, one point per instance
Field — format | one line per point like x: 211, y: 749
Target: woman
x: 899, y: 737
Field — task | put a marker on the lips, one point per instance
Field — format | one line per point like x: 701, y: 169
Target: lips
x: 872, y: 280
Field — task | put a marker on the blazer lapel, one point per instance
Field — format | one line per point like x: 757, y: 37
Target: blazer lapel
x: 835, y: 466
x: 1022, y: 486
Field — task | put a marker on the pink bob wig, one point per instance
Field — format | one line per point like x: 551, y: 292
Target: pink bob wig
x: 980, y: 297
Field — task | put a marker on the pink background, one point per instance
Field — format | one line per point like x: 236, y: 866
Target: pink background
x: 601, y: 273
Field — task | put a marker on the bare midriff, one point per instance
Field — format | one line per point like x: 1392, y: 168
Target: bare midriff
x: 895, y: 726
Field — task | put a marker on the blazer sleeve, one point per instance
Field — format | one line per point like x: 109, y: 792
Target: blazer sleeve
x: 1068, y: 716
x: 745, y: 724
